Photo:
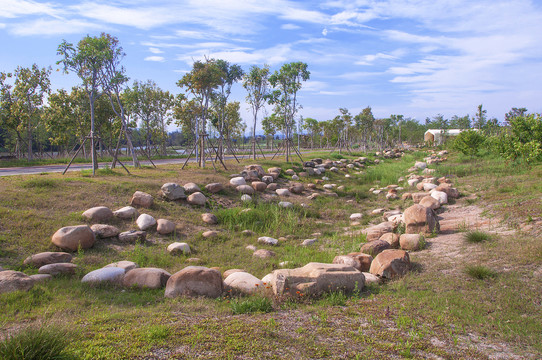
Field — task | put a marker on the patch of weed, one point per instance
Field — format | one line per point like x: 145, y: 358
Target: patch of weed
x: 477, y: 236
x: 44, y: 343
x: 255, y: 304
x: 480, y: 272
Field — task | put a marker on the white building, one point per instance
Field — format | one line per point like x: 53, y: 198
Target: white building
x: 438, y: 136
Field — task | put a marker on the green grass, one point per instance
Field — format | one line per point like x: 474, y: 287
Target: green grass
x: 480, y: 272
x: 477, y: 236
x: 254, y: 304
x: 44, y: 343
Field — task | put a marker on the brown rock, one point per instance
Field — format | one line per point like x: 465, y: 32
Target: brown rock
x: 410, y: 242
x: 72, y: 237
x: 197, y: 198
x: 105, y: 231
x: 191, y: 187
x: 363, y: 259
x: 259, y: 186
x: 214, y: 187
x: 165, y: 227
x: 449, y: 190
x: 210, y: 234
x: 151, y: 278
x: 391, y: 238
x: 258, y: 168
x: 98, y: 214
x: 419, y: 219
x: 390, y: 263
x: 142, y: 199
x: 376, y: 231
x: 14, y: 281
x: 430, y: 202
x: 245, y: 189
x: 45, y: 258
x: 406, y: 196
x: 194, y: 281
x: 58, y: 269
x: 416, y: 197
x: 209, y: 218
x: 263, y: 253
x: 296, y: 188
x: 311, y: 186
x: 231, y: 271
x: 375, y: 247
x: 272, y: 186
x: 132, y: 236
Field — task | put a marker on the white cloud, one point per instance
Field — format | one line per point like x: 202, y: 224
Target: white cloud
x: 2, y: 26
x: 324, y: 32
x: 52, y: 27
x: 290, y: 27
x: 155, y: 50
x: 370, y: 59
x: 155, y: 58
x: 16, y: 8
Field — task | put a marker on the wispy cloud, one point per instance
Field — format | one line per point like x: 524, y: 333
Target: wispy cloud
x: 290, y: 27
x: 155, y: 50
x: 155, y: 58
x: 52, y: 27
x: 16, y: 8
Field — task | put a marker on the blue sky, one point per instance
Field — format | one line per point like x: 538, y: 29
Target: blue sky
x: 412, y: 57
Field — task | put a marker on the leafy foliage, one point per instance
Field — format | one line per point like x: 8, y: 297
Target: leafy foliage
x: 469, y: 142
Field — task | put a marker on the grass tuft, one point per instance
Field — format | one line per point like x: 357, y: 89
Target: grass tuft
x: 480, y: 272
x: 477, y: 236
x: 256, y: 304
x: 36, y: 344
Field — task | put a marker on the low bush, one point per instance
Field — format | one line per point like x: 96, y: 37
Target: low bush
x: 480, y: 272
x: 256, y: 304
x: 476, y: 236
x: 36, y: 344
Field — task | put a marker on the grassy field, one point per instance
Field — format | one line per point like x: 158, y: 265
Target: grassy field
x: 490, y: 306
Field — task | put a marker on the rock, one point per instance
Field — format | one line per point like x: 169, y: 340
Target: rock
x: 420, y: 165
x: 341, y: 188
x: 315, y: 279
x: 250, y: 248
x: 363, y: 261
x: 376, y: 231
x: 193, y: 260
x: 419, y: 219
x: 45, y: 258
x: 313, y: 196
x: 209, y: 218
x: 406, y: 196
x: 98, y: 214
x: 210, y: 234
x: 283, y: 192
x: 375, y: 247
x: 285, y: 204
x: 371, y: 279
x: 245, y: 189
x: 14, y: 281
x: 390, y: 263
x: 58, y: 269
x: 74, y: 237
x: 248, y: 232
x: 191, y: 188
x: 123, y: 264
x: 356, y: 216
x: 417, y: 197
x: 263, y: 253
x: 296, y: 188
x: 272, y: 186
x: 243, y: 282
x: 246, y: 198
x: 194, y: 281
x: 173, y: 191
x: 113, y: 275
x: 126, y: 213
x: 441, y: 196
x: 413, y: 182
x: 250, y: 175
x: 419, y: 186
x: 295, y: 177
x: 133, y: 236
x: 165, y: 227
x: 329, y: 186
x: 178, y: 248
x: 142, y: 199
x: 378, y: 211
x: 41, y: 277
x: 391, y: 196
x: 267, y: 179
x: 145, y: 222
x: 150, y: 278
x: 104, y: 231
x: 231, y: 271
x: 452, y: 192
x: 311, y: 186
x: 391, y: 238
x: 410, y: 241
x: 388, y: 214
x: 268, y: 279
x: 430, y: 202
x: 258, y: 168
x: 428, y: 186
x: 275, y: 170
x: 268, y: 240
x: 197, y: 198
x: 237, y: 181
x: 214, y: 187
x: 289, y: 172
x: 308, y: 242
x: 259, y: 186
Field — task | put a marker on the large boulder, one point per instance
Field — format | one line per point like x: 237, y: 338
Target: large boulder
x: 197, y: 198
x: 14, y: 281
x: 390, y: 263
x: 258, y: 168
x: 296, y: 188
x: 214, y: 187
x: 452, y: 192
x: 126, y: 213
x: 98, y: 214
x: 173, y: 191
x: 191, y: 187
x: 245, y: 189
x: 209, y: 218
x: 376, y: 231
x: 164, y: 226
x: 243, y: 282
x: 145, y: 222
x: 430, y: 202
x: 236, y: 181
x: 391, y: 238
x: 151, y: 278
x: 375, y: 247
x: 105, y: 231
x: 357, y: 260
x: 113, y: 275
x: 441, y: 196
x: 317, y: 278
x: 58, y: 269
x: 420, y: 219
x: 417, y: 197
x: 74, y: 237
x: 194, y: 281
x: 45, y: 258
x: 142, y: 199
x: 259, y: 186
x: 410, y: 242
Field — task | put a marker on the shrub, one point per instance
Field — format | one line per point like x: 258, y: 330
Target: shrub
x: 476, y: 236
x: 251, y: 305
x: 35, y: 344
x: 480, y: 272
x: 468, y: 142
x: 523, y: 141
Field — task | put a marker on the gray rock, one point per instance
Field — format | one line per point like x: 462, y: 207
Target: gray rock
x: 173, y: 191
x: 112, y: 275
x: 133, y: 236
x: 197, y: 198
x: 98, y: 214
x: 150, y: 278
x: 45, y: 258
x: 126, y: 213
x: 72, y: 237
x: 58, y: 269
x: 195, y: 281
x: 190, y: 188
x: 145, y: 222
x: 104, y: 231
x: 14, y: 281
x: 142, y: 199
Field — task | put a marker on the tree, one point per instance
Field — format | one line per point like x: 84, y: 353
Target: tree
x: 513, y: 113
x: 313, y: 127
x: 201, y: 81
x: 365, y: 123
x: 87, y: 60
x: 462, y: 122
x: 256, y: 83
x: 398, y: 121
x: 287, y: 82
x: 23, y: 101
x: 186, y: 114
x: 269, y: 126
x: 480, y: 118
x: 468, y: 142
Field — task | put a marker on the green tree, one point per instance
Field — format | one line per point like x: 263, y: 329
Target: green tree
x: 480, y: 118
x: 468, y: 142
x: 313, y: 127
x: 269, y: 126
x: 256, y: 83
x: 365, y: 123
x: 513, y: 113
x: 462, y: 122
